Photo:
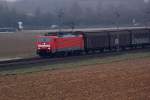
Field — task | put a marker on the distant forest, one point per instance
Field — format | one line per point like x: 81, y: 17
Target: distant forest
x: 74, y: 14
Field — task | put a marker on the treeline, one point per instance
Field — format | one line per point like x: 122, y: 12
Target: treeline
x: 8, y: 17
x: 75, y: 15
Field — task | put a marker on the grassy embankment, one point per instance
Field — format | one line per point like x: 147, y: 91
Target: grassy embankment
x: 82, y: 63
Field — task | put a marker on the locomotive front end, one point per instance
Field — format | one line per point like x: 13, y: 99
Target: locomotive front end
x: 45, y: 45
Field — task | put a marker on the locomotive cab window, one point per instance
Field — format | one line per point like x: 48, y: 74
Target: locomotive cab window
x: 68, y: 35
x: 44, y: 39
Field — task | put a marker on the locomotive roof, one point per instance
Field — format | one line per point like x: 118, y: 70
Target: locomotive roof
x: 61, y: 34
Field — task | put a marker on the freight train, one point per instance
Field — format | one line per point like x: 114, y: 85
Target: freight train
x: 77, y: 42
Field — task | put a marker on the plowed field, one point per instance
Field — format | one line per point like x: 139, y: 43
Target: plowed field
x: 124, y: 80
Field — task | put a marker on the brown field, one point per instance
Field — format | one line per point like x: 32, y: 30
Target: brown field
x: 17, y: 44
x: 124, y: 80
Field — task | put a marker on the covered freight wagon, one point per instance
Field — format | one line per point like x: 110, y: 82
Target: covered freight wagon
x: 96, y: 41
x: 120, y: 38
x: 140, y: 37
x: 116, y: 39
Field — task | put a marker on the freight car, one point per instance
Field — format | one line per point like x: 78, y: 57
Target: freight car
x: 113, y: 40
x: 61, y: 43
x: 107, y: 40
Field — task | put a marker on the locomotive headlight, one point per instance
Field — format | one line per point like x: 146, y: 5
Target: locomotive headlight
x: 49, y: 48
x: 39, y: 48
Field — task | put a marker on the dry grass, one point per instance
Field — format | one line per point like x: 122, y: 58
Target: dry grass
x: 17, y: 44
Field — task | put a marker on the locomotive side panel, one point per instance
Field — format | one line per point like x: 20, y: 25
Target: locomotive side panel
x: 69, y: 44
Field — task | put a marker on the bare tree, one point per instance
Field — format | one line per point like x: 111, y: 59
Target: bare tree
x: 60, y: 15
x: 117, y: 15
x: 146, y: 12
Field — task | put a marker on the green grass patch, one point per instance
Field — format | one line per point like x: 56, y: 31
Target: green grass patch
x: 80, y: 63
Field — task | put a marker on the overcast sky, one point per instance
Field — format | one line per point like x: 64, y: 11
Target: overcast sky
x: 11, y: 0
x: 146, y: 1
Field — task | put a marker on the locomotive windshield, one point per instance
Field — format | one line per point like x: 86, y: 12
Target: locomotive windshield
x: 44, y: 39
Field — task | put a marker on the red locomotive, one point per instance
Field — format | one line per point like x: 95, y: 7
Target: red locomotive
x: 59, y: 43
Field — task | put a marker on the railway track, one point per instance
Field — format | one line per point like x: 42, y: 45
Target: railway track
x: 28, y: 62
x: 37, y: 61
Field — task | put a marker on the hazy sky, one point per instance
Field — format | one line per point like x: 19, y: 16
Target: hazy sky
x: 146, y: 1
x: 11, y: 0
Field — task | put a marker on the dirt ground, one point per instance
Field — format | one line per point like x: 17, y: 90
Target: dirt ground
x: 124, y: 80
x: 17, y: 44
